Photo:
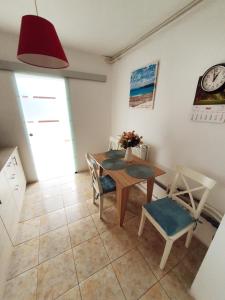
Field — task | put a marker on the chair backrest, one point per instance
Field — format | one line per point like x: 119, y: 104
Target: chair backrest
x: 186, y: 178
x: 113, y: 143
x: 141, y: 151
x: 94, y: 174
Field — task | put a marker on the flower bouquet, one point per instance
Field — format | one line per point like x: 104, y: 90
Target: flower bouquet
x: 127, y: 141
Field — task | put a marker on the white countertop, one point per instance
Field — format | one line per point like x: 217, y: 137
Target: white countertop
x: 4, y: 155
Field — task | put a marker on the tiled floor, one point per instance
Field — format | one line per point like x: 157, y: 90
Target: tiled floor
x: 64, y: 251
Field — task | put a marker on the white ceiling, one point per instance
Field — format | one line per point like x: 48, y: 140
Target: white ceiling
x: 97, y: 26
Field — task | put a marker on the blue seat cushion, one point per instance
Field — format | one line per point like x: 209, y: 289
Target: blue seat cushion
x: 107, y: 183
x: 171, y: 216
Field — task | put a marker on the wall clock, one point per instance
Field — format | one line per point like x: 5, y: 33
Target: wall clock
x: 209, y: 102
x: 213, y: 80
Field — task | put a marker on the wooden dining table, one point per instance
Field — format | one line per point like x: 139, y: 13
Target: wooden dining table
x: 124, y: 181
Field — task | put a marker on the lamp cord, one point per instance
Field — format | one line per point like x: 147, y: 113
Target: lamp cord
x: 35, y: 2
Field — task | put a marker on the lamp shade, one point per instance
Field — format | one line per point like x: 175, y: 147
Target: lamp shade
x: 39, y: 44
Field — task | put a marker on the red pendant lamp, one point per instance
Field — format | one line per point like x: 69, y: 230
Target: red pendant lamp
x: 39, y: 44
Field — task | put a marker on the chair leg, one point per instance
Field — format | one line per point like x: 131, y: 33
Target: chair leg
x: 189, y: 237
x: 94, y: 196
x: 166, y: 253
x: 100, y: 206
x: 142, y: 223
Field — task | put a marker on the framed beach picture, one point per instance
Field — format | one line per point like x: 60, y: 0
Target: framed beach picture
x: 143, y: 86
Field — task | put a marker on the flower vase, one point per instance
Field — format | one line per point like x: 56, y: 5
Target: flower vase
x: 128, y: 154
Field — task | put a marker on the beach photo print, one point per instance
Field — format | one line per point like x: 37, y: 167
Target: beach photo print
x: 143, y: 86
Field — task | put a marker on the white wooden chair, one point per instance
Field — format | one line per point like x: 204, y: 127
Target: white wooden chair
x: 101, y: 184
x: 172, y: 216
x: 113, y: 143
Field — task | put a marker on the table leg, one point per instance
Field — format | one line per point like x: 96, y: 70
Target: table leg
x: 150, y: 185
x: 121, y: 198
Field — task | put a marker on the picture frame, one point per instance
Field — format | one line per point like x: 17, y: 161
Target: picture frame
x: 143, y: 83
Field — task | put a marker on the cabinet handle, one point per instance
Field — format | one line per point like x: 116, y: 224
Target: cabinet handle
x: 15, y: 161
x: 16, y: 187
x: 0, y: 202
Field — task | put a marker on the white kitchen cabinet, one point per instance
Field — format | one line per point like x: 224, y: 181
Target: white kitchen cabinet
x: 13, y: 172
x: 12, y: 189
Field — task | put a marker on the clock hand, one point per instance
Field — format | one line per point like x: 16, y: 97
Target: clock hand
x: 216, y: 76
x: 213, y: 75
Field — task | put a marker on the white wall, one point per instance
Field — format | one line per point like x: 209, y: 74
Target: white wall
x: 209, y: 282
x: 185, y: 49
x: 12, y: 127
x: 89, y: 101
x: 91, y: 116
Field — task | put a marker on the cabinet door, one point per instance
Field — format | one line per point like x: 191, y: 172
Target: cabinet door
x: 5, y: 253
x: 20, y: 181
x: 8, y: 208
x: 16, y: 180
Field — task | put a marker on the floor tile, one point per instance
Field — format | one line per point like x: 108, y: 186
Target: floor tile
x: 26, y: 231
x: 132, y: 225
x: 54, y: 243
x: 52, y: 203
x: 92, y: 207
x: 179, y: 250
x: 57, y: 279
x: 52, y: 183
x: 137, y: 196
x: 51, y: 192
x: 134, y: 274
x: 109, y: 219
x: 151, y: 245
x: 32, y: 209
x: 194, y: 257
x: 68, y: 187
x: 155, y: 293
x: 184, y: 275
x: 31, y: 197
x: 88, y: 193
x: 197, y: 244
x: 56, y: 276
x: 82, y: 231
x: 23, y: 258
x: 73, y: 294
x: 101, y: 286
x: 32, y: 188
x: 71, y: 198
x: 109, y: 201
x: 52, y: 221
x: 22, y: 287
x: 117, y: 241
x: 76, y: 212
x: 90, y: 257
x: 187, y: 269
x: 174, y: 288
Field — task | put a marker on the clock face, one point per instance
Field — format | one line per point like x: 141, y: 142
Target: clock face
x: 213, y: 79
